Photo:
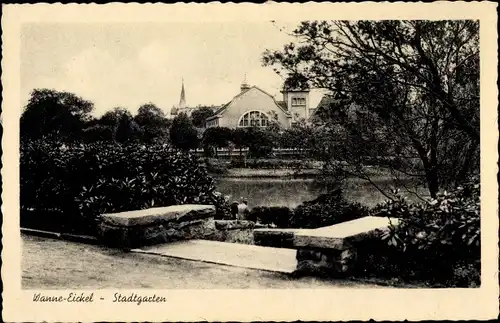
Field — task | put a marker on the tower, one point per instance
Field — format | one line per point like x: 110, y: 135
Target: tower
x: 244, y: 86
x: 182, y: 100
x: 297, y: 101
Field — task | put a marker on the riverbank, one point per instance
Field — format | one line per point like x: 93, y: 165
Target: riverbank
x: 268, y: 173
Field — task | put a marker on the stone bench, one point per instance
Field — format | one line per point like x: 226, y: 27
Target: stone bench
x: 134, y: 229
x: 327, y: 250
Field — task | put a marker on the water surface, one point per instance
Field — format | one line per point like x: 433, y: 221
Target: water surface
x: 292, y: 192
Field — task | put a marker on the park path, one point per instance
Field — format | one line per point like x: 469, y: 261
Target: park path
x: 57, y: 264
x: 232, y: 254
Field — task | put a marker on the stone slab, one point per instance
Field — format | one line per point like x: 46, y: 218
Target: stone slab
x: 136, y: 236
x: 152, y: 216
x: 232, y: 254
x: 338, y: 236
x: 234, y: 224
x: 280, y: 238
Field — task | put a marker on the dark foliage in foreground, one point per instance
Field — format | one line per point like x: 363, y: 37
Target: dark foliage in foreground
x: 71, y: 186
x: 437, y: 241
x: 327, y: 209
x: 277, y: 215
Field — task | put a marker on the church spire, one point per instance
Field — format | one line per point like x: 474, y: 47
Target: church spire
x: 182, y: 101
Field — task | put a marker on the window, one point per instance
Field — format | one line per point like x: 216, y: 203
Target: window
x: 298, y: 101
x: 254, y: 119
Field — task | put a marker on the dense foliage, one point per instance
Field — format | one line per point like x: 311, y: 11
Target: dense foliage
x: 277, y: 215
x: 65, y: 117
x: 405, y: 88
x: 83, y: 181
x: 216, y: 137
x: 200, y: 115
x: 57, y: 114
x: 153, y: 122
x: 327, y: 209
x: 438, y: 241
x: 183, y: 134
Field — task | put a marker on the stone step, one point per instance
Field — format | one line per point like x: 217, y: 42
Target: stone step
x: 336, y: 236
x: 232, y: 254
x: 330, y: 237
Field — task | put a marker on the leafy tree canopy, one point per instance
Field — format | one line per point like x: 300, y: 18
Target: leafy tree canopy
x: 153, y: 122
x: 200, y: 115
x: 54, y: 113
x: 408, y: 88
x: 183, y: 134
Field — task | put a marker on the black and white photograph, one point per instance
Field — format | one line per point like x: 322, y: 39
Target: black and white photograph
x: 260, y: 154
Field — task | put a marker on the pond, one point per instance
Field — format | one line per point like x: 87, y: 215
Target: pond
x: 262, y: 191
x: 269, y: 191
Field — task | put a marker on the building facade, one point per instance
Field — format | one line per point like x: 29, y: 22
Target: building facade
x: 253, y: 107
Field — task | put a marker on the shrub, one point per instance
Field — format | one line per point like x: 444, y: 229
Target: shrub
x: 83, y: 181
x: 437, y: 241
x: 327, y: 209
x: 277, y: 215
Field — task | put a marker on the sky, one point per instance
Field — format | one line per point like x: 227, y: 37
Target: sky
x: 127, y: 65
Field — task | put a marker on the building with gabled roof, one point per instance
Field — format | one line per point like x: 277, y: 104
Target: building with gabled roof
x: 254, y: 107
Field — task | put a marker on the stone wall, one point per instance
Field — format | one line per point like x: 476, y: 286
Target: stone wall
x: 235, y: 231
x: 328, y: 262
x: 157, y: 225
x: 333, y: 251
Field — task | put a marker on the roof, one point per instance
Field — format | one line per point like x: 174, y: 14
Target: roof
x: 280, y: 104
x: 326, y: 100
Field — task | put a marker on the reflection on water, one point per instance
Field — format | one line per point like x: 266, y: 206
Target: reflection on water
x: 292, y: 192
x: 269, y: 191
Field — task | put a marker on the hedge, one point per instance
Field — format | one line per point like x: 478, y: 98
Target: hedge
x: 327, y: 209
x: 80, y: 182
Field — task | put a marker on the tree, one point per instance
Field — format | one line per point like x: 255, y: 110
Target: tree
x: 200, y: 115
x: 127, y: 129
x: 216, y: 137
x: 183, y: 135
x: 54, y: 113
x: 259, y: 142
x: 120, y: 123
x: 409, y: 87
x: 153, y: 123
x: 238, y: 138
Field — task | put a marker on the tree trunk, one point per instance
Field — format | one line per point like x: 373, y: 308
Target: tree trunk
x: 431, y: 170
x: 432, y: 181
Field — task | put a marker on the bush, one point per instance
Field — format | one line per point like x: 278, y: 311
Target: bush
x: 277, y: 215
x: 84, y: 181
x: 438, y: 241
x: 327, y: 209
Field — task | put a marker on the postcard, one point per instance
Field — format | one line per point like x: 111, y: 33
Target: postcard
x: 250, y: 162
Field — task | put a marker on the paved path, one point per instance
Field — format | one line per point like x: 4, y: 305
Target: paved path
x: 56, y: 264
x: 233, y: 254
